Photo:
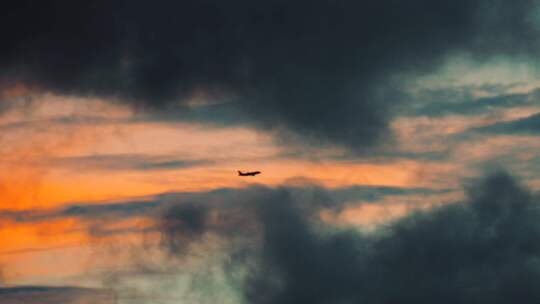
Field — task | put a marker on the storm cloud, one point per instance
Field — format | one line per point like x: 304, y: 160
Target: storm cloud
x: 322, y: 71
x: 484, y: 249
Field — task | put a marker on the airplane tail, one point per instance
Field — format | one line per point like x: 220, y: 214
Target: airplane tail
x: 239, y: 173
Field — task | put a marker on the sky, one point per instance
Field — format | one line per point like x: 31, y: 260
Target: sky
x: 399, y: 145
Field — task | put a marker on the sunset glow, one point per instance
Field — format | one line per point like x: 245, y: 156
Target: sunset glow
x: 387, y: 140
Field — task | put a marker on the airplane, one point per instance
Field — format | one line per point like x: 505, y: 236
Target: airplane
x: 253, y: 173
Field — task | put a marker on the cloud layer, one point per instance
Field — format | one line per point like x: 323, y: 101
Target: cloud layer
x: 327, y: 71
x: 481, y: 250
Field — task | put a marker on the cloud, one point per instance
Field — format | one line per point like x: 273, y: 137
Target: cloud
x: 483, y: 249
x: 278, y: 249
x: 46, y: 295
x: 326, y: 72
x: 193, y: 212
x: 134, y: 162
x: 438, y: 103
x: 189, y: 218
x: 150, y: 206
x: 529, y: 125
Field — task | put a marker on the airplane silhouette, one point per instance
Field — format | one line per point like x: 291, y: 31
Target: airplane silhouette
x: 253, y: 173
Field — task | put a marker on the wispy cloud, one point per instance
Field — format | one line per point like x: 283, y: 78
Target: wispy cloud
x: 49, y: 295
x: 527, y: 126
x: 116, y: 162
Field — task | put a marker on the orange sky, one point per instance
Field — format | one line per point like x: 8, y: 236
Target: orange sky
x: 58, y: 150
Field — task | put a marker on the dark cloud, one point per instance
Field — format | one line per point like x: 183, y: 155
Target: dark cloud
x: 327, y: 71
x: 374, y: 193
x: 189, y: 219
x: 226, y: 114
x: 484, y: 249
x: 528, y: 126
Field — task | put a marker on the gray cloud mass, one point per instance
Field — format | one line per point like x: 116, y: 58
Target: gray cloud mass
x: 322, y: 71
x: 485, y: 249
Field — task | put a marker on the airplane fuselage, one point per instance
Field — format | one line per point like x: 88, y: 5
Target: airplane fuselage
x: 240, y: 173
